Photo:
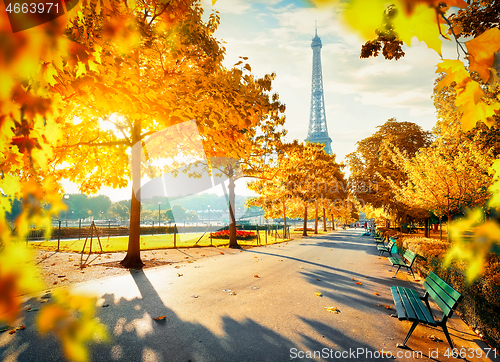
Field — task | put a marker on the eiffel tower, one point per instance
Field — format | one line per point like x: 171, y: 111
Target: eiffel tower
x: 318, y: 131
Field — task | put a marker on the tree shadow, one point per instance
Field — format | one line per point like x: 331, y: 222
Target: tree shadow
x: 136, y: 336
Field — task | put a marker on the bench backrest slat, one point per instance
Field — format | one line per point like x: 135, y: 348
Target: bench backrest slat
x: 446, y: 287
x: 410, y: 256
x: 444, y: 295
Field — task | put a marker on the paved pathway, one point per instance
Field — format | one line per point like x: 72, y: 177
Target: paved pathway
x: 256, y: 305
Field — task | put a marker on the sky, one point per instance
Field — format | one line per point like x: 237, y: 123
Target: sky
x: 360, y: 94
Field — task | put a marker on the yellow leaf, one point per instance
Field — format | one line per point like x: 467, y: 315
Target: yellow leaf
x: 482, y: 51
x: 422, y: 24
x: 365, y: 16
x: 473, y: 113
x: 455, y: 72
x: 80, y: 69
x: 474, y: 249
x: 318, y: 294
x: 49, y: 75
x: 213, y: 2
x: 333, y: 310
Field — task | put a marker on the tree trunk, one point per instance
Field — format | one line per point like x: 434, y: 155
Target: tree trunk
x: 304, y: 232
x: 316, y: 218
x: 333, y: 223
x: 233, y: 242
x: 324, y: 220
x: 426, y: 228
x: 448, y: 236
x: 284, y: 220
x: 133, y: 257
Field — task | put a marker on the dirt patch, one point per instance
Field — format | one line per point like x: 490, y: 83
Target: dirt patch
x: 61, y: 268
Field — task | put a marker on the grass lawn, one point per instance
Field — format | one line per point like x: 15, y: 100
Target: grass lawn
x: 148, y: 242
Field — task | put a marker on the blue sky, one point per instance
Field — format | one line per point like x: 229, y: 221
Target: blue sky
x: 360, y: 94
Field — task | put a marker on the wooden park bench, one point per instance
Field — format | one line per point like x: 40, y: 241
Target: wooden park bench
x: 410, y: 306
x: 379, y: 239
x: 386, y: 248
x: 407, y: 262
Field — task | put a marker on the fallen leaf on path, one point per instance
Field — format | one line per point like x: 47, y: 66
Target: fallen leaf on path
x: 12, y: 331
x: 226, y: 290
x: 232, y: 293
x: 385, y: 353
x: 385, y: 306
x: 179, y: 275
x: 376, y: 293
x: 434, y: 338
x: 194, y: 296
x: 256, y: 276
x: 21, y: 327
x: 359, y: 283
x: 318, y: 279
x: 318, y: 294
x: 222, y: 252
x: 161, y: 318
x: 353, y: 279
x: 333, y: 310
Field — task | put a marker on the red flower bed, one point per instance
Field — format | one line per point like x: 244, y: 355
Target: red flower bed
x: 240, y: 234
x: 302, y: 229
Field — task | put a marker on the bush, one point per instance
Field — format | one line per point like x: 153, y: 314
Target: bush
x: 302, y: 229
x: 481, y: 300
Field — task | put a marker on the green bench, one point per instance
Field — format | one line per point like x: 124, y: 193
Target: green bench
x: 379, y: 239
x: 407, y: 262
x: 386, y: 248
x: 410, y: 306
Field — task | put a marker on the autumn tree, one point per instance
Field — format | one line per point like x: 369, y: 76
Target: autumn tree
x: 446, y: 178
x: 30, y: 129
x: 170, y: 75
x: 303, y: 173
x: 372, y: 165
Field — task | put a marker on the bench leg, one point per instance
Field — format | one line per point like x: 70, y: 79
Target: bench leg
x: 399, y: 267
x: 413, y: 275
x: 445, y: 330
x: 413, y: 326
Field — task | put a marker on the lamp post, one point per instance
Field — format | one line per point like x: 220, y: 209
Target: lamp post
x: 159, y: 205
x: 66, y: 197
